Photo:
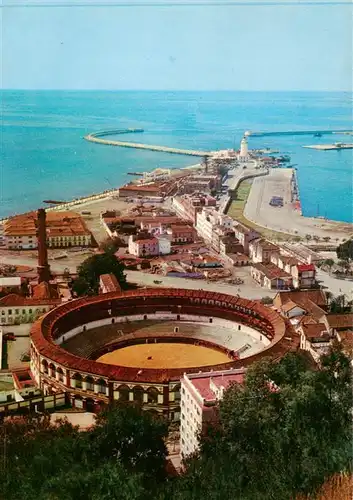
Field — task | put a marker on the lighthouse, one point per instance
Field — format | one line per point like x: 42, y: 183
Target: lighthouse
x: 244, y: 150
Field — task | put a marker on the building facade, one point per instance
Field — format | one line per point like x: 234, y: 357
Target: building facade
x: 200, y: 393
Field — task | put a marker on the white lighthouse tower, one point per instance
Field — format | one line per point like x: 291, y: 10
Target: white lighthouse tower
x: 244, y: 150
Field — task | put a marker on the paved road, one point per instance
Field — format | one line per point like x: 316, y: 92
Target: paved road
x: 143, y: 279
x: 285, y: 219
x: 334, y: 285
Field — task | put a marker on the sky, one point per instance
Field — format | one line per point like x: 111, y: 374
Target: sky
x: 278, y: 46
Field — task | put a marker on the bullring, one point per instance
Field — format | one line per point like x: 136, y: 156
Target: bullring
x: 91, y: 384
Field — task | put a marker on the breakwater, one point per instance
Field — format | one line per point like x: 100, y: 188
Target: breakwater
x: 249, y: 133
x: 98, y: 137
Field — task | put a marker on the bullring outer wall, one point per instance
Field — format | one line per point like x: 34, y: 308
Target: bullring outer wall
x: 92, y: 384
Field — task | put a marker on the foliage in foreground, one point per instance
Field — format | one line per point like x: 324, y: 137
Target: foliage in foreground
x: 87, y: 282
x: 283, y: 433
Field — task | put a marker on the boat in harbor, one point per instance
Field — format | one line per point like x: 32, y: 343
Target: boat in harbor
x: 283, y: 159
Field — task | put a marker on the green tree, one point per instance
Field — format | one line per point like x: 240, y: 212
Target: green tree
x: 345, y: 250
x: 123, y: 458
x: 133, y: 436
x: 275, y: 440
x: 87, y: 282
x: 329, y: 263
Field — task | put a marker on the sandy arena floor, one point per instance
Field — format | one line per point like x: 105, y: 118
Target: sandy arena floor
x: 164, y: 356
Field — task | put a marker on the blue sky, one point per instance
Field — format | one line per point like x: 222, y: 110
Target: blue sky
x: 226, y: 47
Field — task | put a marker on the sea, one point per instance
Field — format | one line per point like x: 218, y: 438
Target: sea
x: 44, y: 155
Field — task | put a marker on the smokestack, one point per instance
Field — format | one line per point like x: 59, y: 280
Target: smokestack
x: 43, y: 268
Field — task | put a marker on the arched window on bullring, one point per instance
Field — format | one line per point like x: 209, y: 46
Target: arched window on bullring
x: 152, y: 395
x: 52, y: 370
x: 44, y: 366
x: 102, y: 386
x: 138, y: 394
x: 89, y: 383
x: 78, y: 380
x: 124, y: 391
x: 60, y: 373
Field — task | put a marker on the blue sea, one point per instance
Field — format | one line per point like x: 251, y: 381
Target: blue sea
x: 44, y: 156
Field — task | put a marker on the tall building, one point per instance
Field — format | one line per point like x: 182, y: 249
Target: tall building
x: 200, y: 393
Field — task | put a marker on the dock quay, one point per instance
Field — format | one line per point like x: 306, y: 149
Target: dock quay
x: 98, y: 137
x: 249, y: 133
x: 328, y: 147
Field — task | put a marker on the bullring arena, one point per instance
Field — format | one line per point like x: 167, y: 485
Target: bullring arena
x: 135, y: 346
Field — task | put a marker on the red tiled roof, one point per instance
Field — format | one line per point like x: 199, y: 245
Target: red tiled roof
x: 340, y: 320
x: 45, y: 290
x: 202, y: 385
x: 147, y: 241
x: 271, y: 271
x: 315, y: 330
x: 306, y: 267
x: 110, y: 282
x: 12, y: 300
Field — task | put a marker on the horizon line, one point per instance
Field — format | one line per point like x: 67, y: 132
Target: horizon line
x: 174, y: 3
x: 14, y: 89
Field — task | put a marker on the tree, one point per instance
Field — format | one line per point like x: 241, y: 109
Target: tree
x: 275, y: 441
x: 122, y: 458
x: 135, y: 437
x: 92, y: 268
x: 112, y: 245
x: 329, y: 263
x: 345, y: 250
x: 267, y: 300
x: 308, y: 237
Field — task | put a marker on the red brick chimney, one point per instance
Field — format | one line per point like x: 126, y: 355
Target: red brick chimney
x: 43, y: 268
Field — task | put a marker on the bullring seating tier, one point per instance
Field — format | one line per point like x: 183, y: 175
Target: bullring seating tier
x: 78, y: 312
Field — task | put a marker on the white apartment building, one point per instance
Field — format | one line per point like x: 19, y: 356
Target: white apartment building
x: 200, y: 393
x: 209, y: 220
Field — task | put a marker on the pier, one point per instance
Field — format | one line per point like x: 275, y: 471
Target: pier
x: 330, y: 147
x: 249, y: 133
x: 97, y: 137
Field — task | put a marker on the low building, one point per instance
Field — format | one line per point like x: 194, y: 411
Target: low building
x: 230, y: 245
x: 301, y: 253
x: 245, y: 235
x: 108, y: 283
x: 15, y: 309
x: 200, y: 394
x: 11, y: 283
x: 271, y: 277
x: 302, y: 306
x: 143, y: 247
x: 64, y: 229
x: 188, y: 206
x: 181, y: 233
x: 304, y: 276
x: 148, y: 246
x: 261, y: 250
x: 212, y: 226
x: 315, y: 338
x: 339, y: 322
x: 17, y: 386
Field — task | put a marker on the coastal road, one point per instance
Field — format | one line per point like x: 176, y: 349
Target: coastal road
x: 286, y: 219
